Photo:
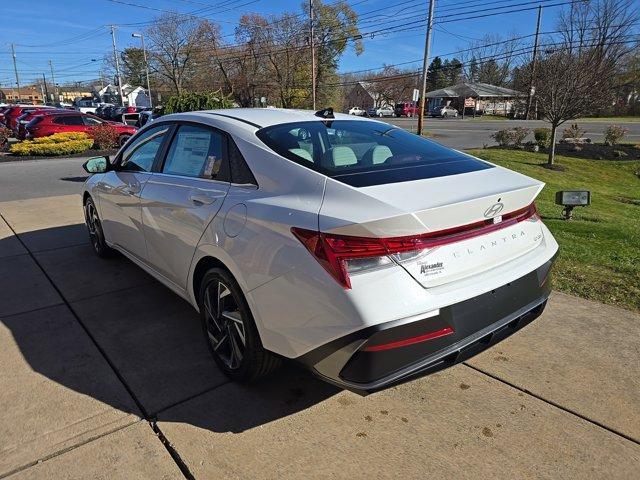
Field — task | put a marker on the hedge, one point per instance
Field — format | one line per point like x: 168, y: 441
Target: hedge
x: 190, y: 102
x: 54, y: 145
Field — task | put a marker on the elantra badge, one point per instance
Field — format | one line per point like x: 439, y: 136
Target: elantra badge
x: 493, y: 210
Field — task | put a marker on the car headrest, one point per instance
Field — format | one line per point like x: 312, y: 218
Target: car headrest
x: 376, y: 155
x: 342, y: 156
x: 302, y: 153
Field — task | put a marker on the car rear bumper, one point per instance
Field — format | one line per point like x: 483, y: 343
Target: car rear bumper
x: 387, y: 354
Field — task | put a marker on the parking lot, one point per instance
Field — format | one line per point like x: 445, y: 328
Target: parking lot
x: 105, y: 370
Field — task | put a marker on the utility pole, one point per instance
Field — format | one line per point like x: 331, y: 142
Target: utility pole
x: 425, y: 66
x: 533, y: 67
x: 53, y: 80
x: 115, y: 56
x: 15, y: 69
x: 46, y: 90
x: 313, y: 55
x: 146, y: 64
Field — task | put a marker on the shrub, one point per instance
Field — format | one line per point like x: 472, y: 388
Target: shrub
x: 189, y: 102
x: 5, y: 135
x: 510, y: 137
x: 54, y: 145
x: 613, y: 134
x: 573, y: 131
x: 519, y: 134
x: 502, y: 137
x: 543, y: 137
x: 105, y: 136
x: 60, y: 137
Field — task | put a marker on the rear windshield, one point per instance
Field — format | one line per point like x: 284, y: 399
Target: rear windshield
x: 365, y: 153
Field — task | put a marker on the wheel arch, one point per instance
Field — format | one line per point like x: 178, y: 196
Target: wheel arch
x: 203, y: 265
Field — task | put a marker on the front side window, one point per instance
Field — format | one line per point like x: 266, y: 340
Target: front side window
x: 141, y: 153
x: 365, y: 153
x: 91, y: 122
x: 195, y: 152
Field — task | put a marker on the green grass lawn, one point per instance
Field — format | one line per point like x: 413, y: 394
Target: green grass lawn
x: 599, y: 248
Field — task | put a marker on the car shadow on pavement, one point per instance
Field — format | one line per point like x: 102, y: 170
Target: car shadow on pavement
x: 110, y: 311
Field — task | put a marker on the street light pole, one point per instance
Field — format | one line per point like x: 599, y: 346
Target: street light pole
x: 533, y: 67
x: 425, y: 66
x: 146, y: 64
x: 15, y: 69
x: 53, y: 81
x: 313, y: 55
x: 115, y: 56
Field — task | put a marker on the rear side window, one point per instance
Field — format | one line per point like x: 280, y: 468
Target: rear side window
x: 195, y: 152
x: 363, y: 154
x: 69, y: 120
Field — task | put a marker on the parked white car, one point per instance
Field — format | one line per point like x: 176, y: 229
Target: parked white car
x: 357, y: 111
x: 367, y: 253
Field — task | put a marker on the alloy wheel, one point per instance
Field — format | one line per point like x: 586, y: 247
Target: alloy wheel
x: 224, y: 323
x: 93, y: 225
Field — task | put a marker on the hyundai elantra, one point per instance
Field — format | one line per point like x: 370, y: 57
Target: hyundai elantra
x: 365, y: 252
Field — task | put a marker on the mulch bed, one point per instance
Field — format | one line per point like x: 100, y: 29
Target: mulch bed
x: 591, y: 151
x: 7, y: 157
x: 599, y: 151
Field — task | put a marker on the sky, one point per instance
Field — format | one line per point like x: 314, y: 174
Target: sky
x: 75, y: 36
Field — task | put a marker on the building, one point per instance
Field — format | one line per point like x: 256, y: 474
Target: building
x: 133, y: 96
x: 476, y: 97
x: 71, y: 94
x: 27, y: 94
x: 361, y: 95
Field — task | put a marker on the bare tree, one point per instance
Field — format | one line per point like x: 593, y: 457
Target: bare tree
x: 392, y: 85
x: 579, y: 75
x: 491, y: 59
x: 173, y: 41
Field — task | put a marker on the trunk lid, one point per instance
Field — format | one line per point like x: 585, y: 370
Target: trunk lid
x: 475, y: 202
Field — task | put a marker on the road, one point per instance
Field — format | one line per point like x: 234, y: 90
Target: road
x: 474, y: 133
x: 40, y: 178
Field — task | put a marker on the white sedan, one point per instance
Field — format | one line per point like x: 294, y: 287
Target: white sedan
x: 360, y: 250
x: 357, y: 111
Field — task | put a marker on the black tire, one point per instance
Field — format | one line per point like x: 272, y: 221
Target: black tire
x: 123, y: 139
x: 94, y: 227
x: 229, y: 329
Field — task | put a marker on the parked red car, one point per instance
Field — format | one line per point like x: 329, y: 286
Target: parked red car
x: 3, y: 110
x: 11, y: 115
x: 29, y: 115
x: 50, y: 123
x: 406, y: 109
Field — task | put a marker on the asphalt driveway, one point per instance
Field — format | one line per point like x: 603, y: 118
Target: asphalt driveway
x: 104, y: 374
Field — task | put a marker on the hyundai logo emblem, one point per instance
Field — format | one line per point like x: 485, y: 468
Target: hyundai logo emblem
x: 493, y: 210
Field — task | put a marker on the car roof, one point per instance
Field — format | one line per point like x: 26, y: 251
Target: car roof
x: 266, y: 117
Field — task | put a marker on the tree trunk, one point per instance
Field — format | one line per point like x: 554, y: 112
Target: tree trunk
x: 552, y: 145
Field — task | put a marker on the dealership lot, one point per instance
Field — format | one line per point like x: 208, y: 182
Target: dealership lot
x: 106, y: 369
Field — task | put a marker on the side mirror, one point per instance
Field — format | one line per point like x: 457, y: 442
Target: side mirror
x: 97, y: 165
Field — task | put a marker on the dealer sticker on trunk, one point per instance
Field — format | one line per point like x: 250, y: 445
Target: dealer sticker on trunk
x: 454, y: 261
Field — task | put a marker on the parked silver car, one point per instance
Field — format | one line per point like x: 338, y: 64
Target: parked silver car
x: 386, y: 111
x: 444, y: 111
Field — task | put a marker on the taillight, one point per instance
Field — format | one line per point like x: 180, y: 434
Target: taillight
x: 341, y: 255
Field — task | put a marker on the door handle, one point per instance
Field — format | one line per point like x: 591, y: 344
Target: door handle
x: 201, y: 198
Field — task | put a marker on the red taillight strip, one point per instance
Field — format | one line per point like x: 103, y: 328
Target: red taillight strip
x: 332, y: 250
x: 409, y: 341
